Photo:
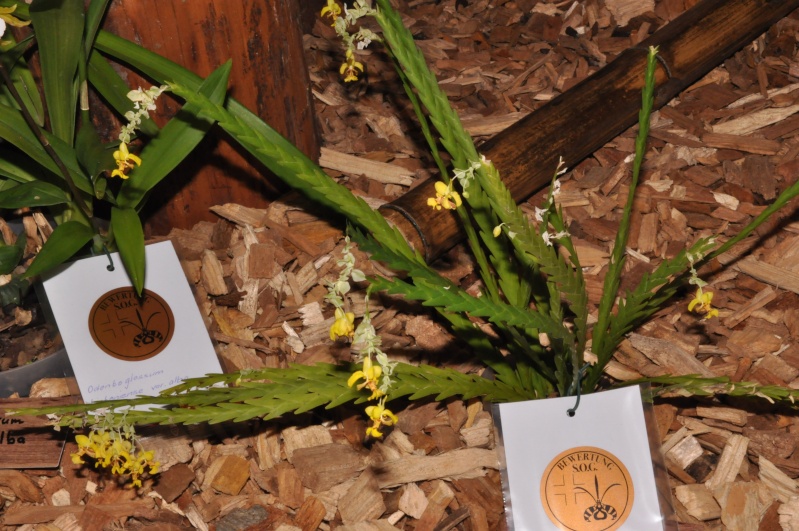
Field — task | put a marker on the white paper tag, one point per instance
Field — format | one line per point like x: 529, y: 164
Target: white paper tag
x: 121, y: 346
x: 589, y: 472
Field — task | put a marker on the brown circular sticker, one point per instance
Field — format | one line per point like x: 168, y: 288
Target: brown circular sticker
x: 587, y: 489
x: 129, y: 327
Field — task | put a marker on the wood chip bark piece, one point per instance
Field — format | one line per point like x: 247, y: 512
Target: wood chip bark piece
x: 378, y: 171
x: 241, y: 215
x: 363, y: 500
x: 779, y: 484
x: 21, y: 484
x: 730, y: 462
x: 413, y: 501
x: 295, y: 438
x: 311, y: 514
x: 212, y: 274
x: 740, y: 505
x: 669, y: 356
x: 326, y: 465
x: 726, y: 414
x: 440, y: 497
x: 227, y: 474
x: 755, y: 120
x: 422, y: 468
x: 174, y: 481
x: 698, y: 501
x: 685, y: 452
x: 776, y: 276
x: 289, y: 486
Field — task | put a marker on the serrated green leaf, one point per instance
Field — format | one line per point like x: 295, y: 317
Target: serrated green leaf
x: 271, y: 393
x: 456, y: 300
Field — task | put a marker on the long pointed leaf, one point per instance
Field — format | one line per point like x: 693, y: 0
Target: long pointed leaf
x: 110, y: 85
x: 10, y: 255
x: 94, y: 16
x: 129, y: 238
x: 33, y: 194
x: 66, y: 240
x: 59, y: 32
x: 15, y: 130
x: 175, y: 142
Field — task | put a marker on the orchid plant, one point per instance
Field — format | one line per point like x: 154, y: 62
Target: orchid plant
x: 52, y: 156
x: 529, y: 324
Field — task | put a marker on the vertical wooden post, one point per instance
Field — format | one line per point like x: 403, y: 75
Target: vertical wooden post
x: 269, y: 76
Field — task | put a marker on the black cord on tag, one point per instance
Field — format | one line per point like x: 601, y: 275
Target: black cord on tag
x: 571, y: 412
x: 110, y: 266
x: 576, y: 384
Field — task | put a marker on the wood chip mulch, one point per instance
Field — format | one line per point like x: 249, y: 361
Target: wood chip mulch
x: 715, y: 159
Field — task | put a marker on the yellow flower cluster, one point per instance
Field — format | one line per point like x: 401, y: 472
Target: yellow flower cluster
x: 370, y: 375
x: 343, y: 326
x: 701, y: 304
x: 350, y: 67
x: 342, y: 21
x: 110, y: 448
x: 125, y: 161
x: 445, y: 197
x: 332, y: 10
x: 380, y: 416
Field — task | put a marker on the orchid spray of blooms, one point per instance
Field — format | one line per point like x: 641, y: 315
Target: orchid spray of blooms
x: 529, y: 323
x: 56, y: 159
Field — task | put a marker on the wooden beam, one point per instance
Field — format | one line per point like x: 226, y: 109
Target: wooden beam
x: 593, y: 112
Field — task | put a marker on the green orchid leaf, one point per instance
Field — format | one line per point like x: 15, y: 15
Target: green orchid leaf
x: 110, y: 85
x: 100, y: 187
x: 14, y: 291
x: 11, y: 255
x: 11, y: 56
x: 94, y: 16
x: 175, y: 142
x: 58, y: 25
x: 162, y: 70
x: 129, y: 238
x: 69, y: 157
x: 66, y: 240
x: 91, y: 153
x: 14, y: 130
x: 17, y: 167
x: 33, y: 194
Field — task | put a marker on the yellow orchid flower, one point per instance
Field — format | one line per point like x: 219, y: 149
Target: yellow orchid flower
x: 371, y: 377
x: 344, y: 326
x: 701, y: 304
x: 380, y: 416
x: 445, y: 197
x: 7, y: 18
x: 350, y: 67
x: 125, y: 161
x: 332, y: 10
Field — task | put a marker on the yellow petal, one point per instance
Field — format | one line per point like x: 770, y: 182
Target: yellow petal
x: 357, y: 375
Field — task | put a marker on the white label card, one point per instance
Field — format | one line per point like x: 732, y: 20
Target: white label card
x: 120, y: 345
x: 589, y: 472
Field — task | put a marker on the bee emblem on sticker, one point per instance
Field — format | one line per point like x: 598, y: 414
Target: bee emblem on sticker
x: 599, y: 511
x: 129, y: 327
x: 587, y: 489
